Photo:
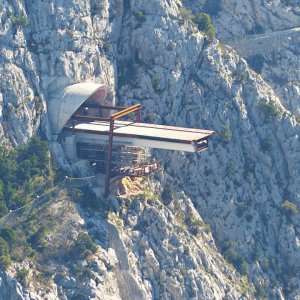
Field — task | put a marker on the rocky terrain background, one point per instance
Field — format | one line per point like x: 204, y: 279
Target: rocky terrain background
x: 246, y: 186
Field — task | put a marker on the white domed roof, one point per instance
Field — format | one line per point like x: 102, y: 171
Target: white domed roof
x: 60, y: 110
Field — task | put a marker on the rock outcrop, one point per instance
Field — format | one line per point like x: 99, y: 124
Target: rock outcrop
x: 276, y: 56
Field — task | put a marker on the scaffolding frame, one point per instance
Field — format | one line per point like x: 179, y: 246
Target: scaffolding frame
x: 137, y: 108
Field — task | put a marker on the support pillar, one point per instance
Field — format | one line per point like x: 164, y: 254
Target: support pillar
x: 109, y: 157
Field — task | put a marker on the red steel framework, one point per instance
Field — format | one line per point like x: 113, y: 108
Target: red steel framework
x: 198, y: 144
x: 121, y: 113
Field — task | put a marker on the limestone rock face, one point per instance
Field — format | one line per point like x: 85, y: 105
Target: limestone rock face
x: 151, y: 52
x: 10, y: 289
x: 45, y: 46
x: 149, y: 248
x: 275, y: 54
x: 253, y: 162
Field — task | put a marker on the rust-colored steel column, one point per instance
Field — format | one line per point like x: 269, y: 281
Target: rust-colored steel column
x: 113, y: 117
x: 109, y: 156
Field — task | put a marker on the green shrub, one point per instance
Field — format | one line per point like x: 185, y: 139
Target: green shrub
x: 207, y: 228
x: 83, y: 243
x: 140, y: 17
x: 269, y: 109
x: 205, y: 24
x: 4, y: 254
x: 86, y: 197
x: 167, y: 195
x: 225, y: 134
x: 4, y: 248
x: 22, y: 275
x: 230, y: 254
x: 8, y: 235
x: 201, y: 20
x: 18, y: 171
x: 3, y: 208
x: 248, y: 176
x: 38, y: 239
x: 20, y: 21
x: 289, y: 208
x: 5, y: 262
x: 265, y: 264
x: 243, y: 77
x: 244, y: 268
x: 156, y: 83
x: 70, y: 32
x: 194, y: 225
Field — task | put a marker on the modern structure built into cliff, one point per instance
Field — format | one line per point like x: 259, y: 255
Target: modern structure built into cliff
x: 87, y: 126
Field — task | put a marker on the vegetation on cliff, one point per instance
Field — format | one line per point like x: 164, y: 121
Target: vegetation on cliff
x: 24, y: 173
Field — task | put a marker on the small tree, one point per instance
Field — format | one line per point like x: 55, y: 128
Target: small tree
x: 225, y: 133
x: 156, y: 83
x: 167, y: 195
x: 4, y: 248
x: 83, y: 243
x: 140, y: 17
x: 20, y: 21
x: 38, y: 239
x: 289, y: 208
x: 205, y: 24
x: 4, y: 254
x: 244, y: 268
x: 5, y: 261
x: 8, y: 235
x: 21, y: 276
x: 269, y: 109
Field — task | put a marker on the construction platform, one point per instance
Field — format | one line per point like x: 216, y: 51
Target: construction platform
x: 143, y: 135
x: 86, y: 122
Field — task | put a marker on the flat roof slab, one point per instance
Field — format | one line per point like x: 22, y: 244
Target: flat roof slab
x: 146, y: 131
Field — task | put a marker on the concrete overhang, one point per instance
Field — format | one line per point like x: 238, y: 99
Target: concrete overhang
x: 61, y: 108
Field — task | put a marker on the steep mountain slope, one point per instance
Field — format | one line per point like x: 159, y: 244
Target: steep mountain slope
x: 149, y: 248
x: 153, y: 53
x: 276, y: 57
x: 252, y: 167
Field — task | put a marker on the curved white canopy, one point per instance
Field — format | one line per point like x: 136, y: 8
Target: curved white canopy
x: 60, y: 110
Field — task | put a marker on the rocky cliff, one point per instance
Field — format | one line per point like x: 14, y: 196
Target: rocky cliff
x: 244, y: 186
x: 260, y: 30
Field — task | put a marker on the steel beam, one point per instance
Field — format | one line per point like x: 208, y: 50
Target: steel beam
x: 110, y: 107
x: 126, y: 111
x: 113, y: 117
x: 90, y: 118
x: 109, y: 156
